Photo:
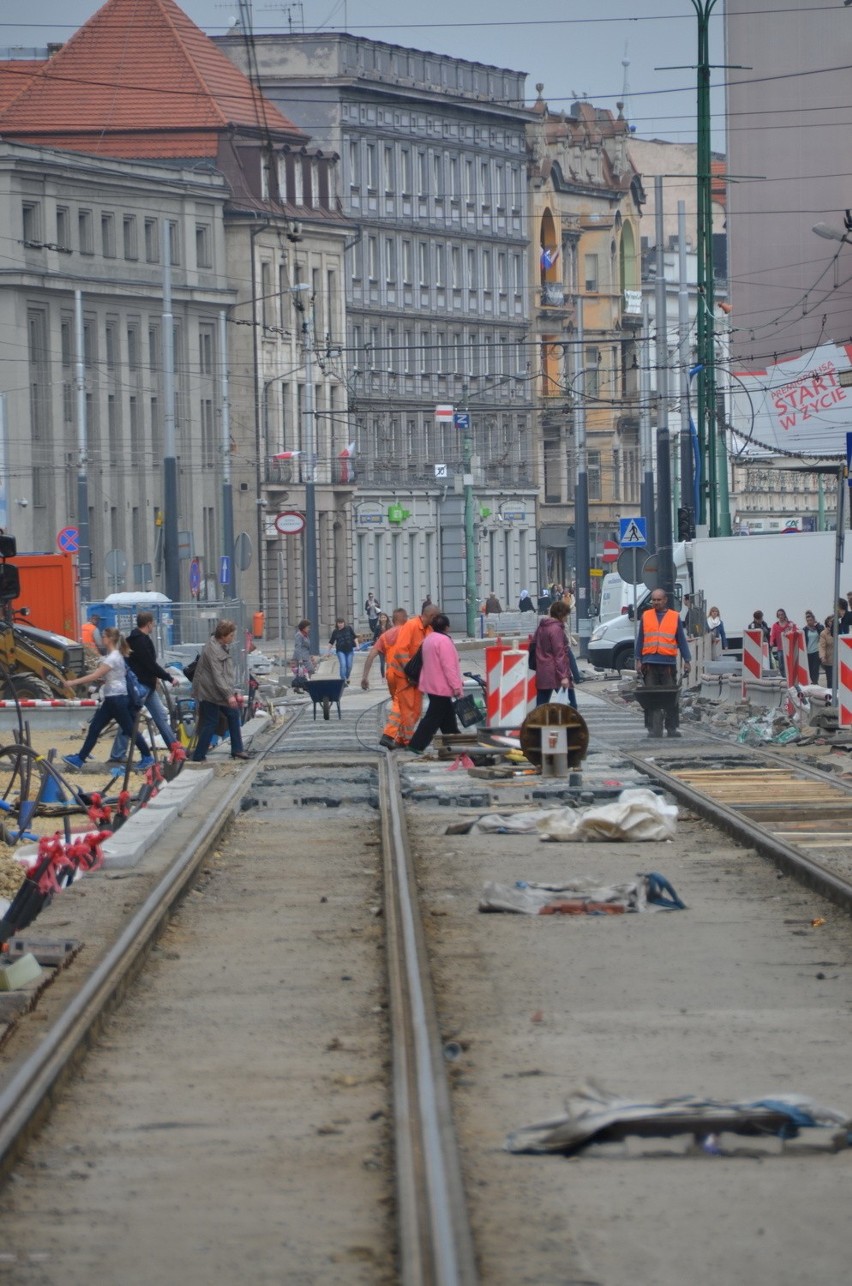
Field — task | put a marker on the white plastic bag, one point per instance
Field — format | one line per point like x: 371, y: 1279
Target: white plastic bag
x: 560, y: 697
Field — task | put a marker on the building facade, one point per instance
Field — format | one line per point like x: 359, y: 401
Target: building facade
x: 436, y: 284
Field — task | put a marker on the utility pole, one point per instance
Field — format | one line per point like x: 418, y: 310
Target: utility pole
x: 664, y: 464
x: 687, y: 472
x: 706, y: 418
x: 170, y: 487
x: 469, y: 546
x: 227, y: 490
x: 85, y: 554
x: 646, y: 452
x: 304, y: 305
x: 581, y: 493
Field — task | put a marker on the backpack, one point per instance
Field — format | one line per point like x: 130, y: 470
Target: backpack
x: 135, y: 692
x: 413, y: 667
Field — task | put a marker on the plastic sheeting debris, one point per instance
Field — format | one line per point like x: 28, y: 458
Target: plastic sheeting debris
x: 595, y: 1116
x: 636, y: 815
x: 582, y: 896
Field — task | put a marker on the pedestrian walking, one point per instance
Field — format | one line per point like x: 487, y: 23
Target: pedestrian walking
x: 441, y: 680
x: 552, y: 662
x: 142, y: 660
x: 525, y: 603
x: 405, y: 713
x: 716, y: 630
x: 213, y: 687
x: 303, y: 663
x: 826, y: 650
x: 372, y: 608
x: 812, y: 632
x: 343, y: 641
x: 659, y: 639
x: 782, y: 628
x: 492, y: 603
x: 382, y: 626
x: 112, y: 672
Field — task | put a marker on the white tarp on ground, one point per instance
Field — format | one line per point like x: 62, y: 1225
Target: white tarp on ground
x: 796, y: 405
x: 637, y: 814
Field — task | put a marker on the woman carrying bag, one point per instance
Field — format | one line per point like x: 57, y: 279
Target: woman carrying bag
x: 441, y: 680
x: 552, y: 662
x: 116, y: 703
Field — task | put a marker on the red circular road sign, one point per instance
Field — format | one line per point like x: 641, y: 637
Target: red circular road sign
x: 611, y: 550
x: 289, y: 523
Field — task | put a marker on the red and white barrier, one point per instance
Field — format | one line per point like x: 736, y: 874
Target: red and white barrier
x: 31, y: 704
x: 844, y: 680
x: 753, y: 644
x: 511, y: 687
x: 796, y: 660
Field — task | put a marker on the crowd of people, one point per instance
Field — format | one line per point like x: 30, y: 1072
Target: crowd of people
x: 818, y: 633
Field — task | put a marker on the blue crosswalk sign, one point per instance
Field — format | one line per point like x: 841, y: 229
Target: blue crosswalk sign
x: 633, y: 533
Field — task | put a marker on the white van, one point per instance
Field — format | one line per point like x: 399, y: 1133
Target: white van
x: 612, y: 643
x: 617, y: 597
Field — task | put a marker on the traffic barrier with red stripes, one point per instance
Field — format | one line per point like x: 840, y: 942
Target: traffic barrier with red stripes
x: 844, y: 680
x: 752, y: 657
x: 31, y: 704
x: 510, y: 686
x: 796, y: 660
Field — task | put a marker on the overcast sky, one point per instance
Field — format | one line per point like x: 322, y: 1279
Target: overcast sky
x: 575, y: 49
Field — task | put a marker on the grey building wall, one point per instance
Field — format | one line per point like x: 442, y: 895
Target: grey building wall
x: 434, y: 173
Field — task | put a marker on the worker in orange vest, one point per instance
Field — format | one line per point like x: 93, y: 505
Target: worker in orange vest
x: 383, y: 647
x: 91, y: 634
x: 405, y: 714
x: 660, y: 638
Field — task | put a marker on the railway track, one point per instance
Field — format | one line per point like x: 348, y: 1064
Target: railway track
x: 323, y: 768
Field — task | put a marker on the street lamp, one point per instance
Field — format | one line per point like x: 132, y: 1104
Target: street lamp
x: 835, y: 234
x: 303, y: 306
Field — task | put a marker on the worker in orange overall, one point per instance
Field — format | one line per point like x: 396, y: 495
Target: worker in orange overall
x: 383, y: 644
x: 660, y: 639
x: 407, y: 698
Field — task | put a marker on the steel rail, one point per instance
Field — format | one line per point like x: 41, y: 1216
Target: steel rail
x: 435, y: 1241
x: 787, y: 857
x: 24, y: 1097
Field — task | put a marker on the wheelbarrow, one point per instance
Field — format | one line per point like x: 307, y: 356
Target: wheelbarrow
x: 325, y: 693
x: 659, y: 704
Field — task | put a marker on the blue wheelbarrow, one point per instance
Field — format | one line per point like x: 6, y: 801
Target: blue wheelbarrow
x: 325, y: 693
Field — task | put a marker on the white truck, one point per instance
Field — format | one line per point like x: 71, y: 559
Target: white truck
x: 737, y: 574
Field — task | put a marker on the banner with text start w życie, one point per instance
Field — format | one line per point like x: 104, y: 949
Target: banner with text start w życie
x: 798, y: 404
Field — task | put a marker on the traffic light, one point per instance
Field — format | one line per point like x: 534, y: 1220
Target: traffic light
x: 686, y: 524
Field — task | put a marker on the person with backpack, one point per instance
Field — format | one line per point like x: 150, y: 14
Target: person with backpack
x: 112, y: 672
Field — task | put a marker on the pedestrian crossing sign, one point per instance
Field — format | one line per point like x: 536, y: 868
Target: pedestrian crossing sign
x: 632, y: 533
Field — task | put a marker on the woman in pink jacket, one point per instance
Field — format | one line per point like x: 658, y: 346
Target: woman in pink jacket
x: 441, y: 680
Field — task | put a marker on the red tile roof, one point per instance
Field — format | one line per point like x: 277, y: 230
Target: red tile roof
x: 14, y: 75
x: 139, y: 79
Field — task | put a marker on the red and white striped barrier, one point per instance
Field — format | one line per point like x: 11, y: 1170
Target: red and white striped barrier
x: 753, y: 643
x: 32, y: 704
x: 510, y: 686
x: 844, y: 680
x: 796, y: 660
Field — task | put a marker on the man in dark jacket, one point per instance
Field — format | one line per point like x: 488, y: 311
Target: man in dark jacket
x: 143, y: 662
x: 344, y: 642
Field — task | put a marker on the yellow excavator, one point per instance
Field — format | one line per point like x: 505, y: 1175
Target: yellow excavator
x: 33, y: 663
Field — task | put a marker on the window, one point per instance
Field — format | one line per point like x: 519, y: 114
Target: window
x: 135, y: 433
x: 174, y: 243
x: 423, y: 262
x: 372, y: 258
x: 372, y: 175
x: 208, y: 447
x: 205, y: 350
x: 469, y: 180
x: 63, y: 227
x: 203, y: 256
x: 486, y: 270
x: 501, y: 272
x: 387, y: 168
x: 517, y: 274
x: 154, y: 353
x: 85, y: 232
x: 422, y: 174
x: 391, y: 351
x: 485, y: 185
x: 454, y: 178
x: 390, y: 260
x: 592, y: 372
x: 406, y: 262
x: 128, y: 225
x: 470, y: 281
x: 266, y: 312
x: 594, y: 476
x: 133, y: 348
x: 65, y: 340
x: 440, y: 258
x: 354, y: 164
x: 405, y: 168
x: 108, y: 236
x: 590, y: 270
x: 437, y: 176
x: 152, y: 241
x: 500, y: 186
x: 455, y: 267
x: 110, y: 345
x: 408, y: 351
x: 31, y: 214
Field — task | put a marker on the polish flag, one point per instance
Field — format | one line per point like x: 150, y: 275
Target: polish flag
x: 347, y: 463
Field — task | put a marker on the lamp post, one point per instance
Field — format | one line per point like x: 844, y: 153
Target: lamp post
x: 303, y: 306
x: 462, y: 421
x: 581, y: 495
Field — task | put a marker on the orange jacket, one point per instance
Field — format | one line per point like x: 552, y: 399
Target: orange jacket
x: 659, y: 638
x: 411, y: 635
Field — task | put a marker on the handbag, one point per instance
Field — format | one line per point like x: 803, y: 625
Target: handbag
x: 413, y: 668
x: 467, y: 710
x: 136, y: 694
x: 189, y: 670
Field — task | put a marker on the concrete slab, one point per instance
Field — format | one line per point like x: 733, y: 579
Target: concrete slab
x: 128, y: 846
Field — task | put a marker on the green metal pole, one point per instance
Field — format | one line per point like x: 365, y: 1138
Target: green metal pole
x: 469, y: 549
x: 709, y: 496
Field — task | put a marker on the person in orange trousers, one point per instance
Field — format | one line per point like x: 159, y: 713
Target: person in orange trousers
x: 407, y: 697
x: 384, y: 647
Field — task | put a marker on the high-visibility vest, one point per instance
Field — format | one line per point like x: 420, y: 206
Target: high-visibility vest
x: 659, y: 638
x: 88, y: 633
